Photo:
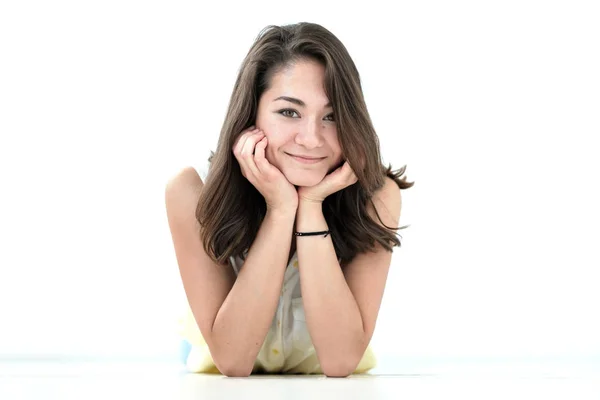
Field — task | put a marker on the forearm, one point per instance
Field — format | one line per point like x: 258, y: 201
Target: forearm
x: 332, y: 314
x: 243, y: 320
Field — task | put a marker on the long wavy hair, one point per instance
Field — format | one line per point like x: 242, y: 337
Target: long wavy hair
x: 230, y: 209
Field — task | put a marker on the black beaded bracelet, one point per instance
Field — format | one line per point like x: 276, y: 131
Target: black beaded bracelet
x: 312, y: 233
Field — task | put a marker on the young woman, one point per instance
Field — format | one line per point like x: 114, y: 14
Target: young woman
x: 284, y: 247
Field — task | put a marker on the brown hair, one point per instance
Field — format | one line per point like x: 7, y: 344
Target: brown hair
x: 230, y: 209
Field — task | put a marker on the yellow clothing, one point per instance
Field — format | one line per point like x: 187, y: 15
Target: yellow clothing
x: 287, y: 347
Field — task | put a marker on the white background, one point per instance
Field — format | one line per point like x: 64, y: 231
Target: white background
x: 493, y: 106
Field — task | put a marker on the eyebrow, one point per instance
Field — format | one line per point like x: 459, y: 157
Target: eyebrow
x: 297, y: 101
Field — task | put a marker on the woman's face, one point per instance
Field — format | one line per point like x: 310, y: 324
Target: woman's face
x: 297, y: 120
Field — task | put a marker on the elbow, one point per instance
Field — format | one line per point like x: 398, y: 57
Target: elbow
x: 343, y: 361
x: 231, y: 361
x: 235, y: 371
x: 337, y: 372
x: 339, y: 369
x: 234, y: 368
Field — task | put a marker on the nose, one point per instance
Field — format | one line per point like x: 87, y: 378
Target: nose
x: 310, y: 135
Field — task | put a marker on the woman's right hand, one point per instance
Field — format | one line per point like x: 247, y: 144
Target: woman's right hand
x: 249, y: 150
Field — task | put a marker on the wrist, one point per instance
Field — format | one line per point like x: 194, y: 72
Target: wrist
x: 310, y: 217
x: 307, y: 204
x: 309, y: 199
x: 281, y: 213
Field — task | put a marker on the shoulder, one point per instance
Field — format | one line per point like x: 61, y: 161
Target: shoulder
x: 387, y: 203
x: 183, y: 188
x: 186, y: 177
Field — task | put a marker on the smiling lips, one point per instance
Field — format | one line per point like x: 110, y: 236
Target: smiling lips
x: 306, y: 160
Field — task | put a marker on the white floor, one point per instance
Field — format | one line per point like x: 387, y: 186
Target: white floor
x: 53, y: 379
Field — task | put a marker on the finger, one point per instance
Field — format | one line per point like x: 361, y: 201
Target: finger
x: 342, y: 175
x: 340, y: 171
x: 248, y: 131
x: 259, y: 155
x: 347, y: 169
x: 349, y: 173
x: 239, y: 145
x: 251, y: 140
x: 248, y: 152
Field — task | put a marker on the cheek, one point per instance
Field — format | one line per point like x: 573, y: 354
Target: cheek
x: 334, y: 144
x: 338, y: 157
x: 276, y: 137
x: 272, y: 147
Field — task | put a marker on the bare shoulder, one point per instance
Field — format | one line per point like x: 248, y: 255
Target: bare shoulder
x: 183, y: 190
x: 187, y: 177
x: 388, y: 202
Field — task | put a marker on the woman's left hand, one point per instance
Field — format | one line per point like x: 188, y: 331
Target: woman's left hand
x: 335, y: 181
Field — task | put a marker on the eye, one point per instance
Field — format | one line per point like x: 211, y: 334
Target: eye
x: 287, y: 110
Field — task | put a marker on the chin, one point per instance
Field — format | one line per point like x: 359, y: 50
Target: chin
x: 304, y: 178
